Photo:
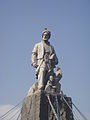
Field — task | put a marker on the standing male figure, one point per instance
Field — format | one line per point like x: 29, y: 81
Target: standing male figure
x: 44, y: 59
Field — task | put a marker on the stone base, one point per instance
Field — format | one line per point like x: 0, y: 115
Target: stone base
x: 37, y: 107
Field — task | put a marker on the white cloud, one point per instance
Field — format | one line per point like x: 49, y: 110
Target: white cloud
x: 5, y: 108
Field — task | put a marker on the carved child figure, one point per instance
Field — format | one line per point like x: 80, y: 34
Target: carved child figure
x: 53, y: 82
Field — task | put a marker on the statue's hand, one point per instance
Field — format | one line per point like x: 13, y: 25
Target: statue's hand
x: 52, y: 56
x: 34, y: 65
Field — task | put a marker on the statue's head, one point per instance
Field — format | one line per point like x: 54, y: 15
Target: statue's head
x: 46, y: 34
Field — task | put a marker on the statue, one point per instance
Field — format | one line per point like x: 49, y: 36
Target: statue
x: 44, y: 59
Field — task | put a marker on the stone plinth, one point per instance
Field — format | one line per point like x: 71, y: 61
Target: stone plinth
x: 37, y: 107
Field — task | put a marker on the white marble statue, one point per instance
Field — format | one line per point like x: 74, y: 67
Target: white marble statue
x: 44, y: 59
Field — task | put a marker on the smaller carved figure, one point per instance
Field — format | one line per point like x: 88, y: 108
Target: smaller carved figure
x: 53, y: 82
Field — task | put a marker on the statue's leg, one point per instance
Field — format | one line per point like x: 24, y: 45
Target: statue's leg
x: 47, y: 75
x: 41, y: 77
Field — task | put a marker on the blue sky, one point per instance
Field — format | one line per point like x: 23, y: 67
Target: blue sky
x: 21, y: 26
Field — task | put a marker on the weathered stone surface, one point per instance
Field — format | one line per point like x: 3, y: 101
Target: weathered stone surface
x: 37, y: 107
x: 64, y: 111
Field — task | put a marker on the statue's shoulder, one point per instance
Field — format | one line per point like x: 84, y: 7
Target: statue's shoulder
x: 38, y: 44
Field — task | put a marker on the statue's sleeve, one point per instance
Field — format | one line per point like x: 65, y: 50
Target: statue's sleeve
x: 34, y: 55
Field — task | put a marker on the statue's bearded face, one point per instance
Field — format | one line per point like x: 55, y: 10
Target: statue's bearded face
x: 46, y: 35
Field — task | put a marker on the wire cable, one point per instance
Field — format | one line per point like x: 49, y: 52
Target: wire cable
x: 79, y: 112
x: 19, y: 116
x: 9, y: 111
x: 14, y: 115
x: 76, y: 117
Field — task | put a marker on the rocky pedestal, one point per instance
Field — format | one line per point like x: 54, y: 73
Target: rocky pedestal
x: 37, y: 107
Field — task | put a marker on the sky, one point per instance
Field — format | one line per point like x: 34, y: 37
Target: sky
x: 21, y: 26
